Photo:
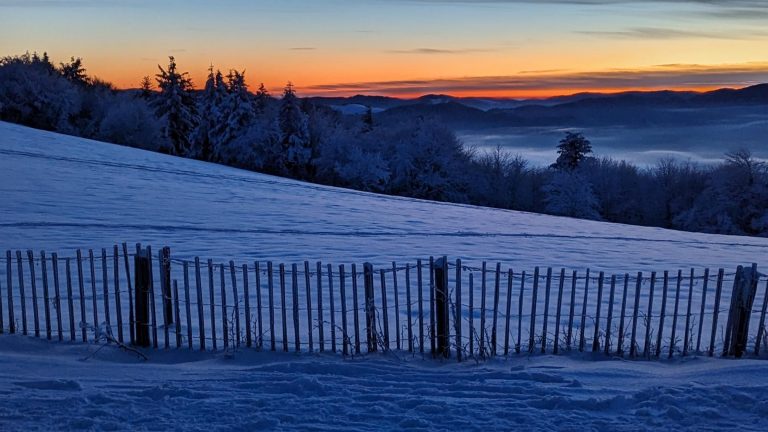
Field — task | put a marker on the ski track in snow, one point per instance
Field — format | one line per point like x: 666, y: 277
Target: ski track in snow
x: 47, y: 386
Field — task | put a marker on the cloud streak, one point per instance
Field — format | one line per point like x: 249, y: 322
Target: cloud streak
x: 664, y: 76
x: 666, y: 33
x: 429, y: 51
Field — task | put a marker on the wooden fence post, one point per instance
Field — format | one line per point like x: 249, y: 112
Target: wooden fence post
x: 370, y: 307
x: 687, y: 336
x: 610, y: 316
x: 20, y: 266
x: 308, y: 289
x: 407, y: 298
x: 81, y: 286
x: 635, y: 311
x: 141, y: 296
x: 510, y: 278
x: 701, y: 313
x: 441, y: 307
x: 596, y: 336
x: 556, y: 348
x: 742, y: 300
x: 534, y: 303
x: 620, y: 342
x: 118, y: 306
x: 672, y: 339
x: 46, y: 297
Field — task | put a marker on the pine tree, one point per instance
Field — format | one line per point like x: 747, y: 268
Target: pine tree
x: 146, y: 87
x: 74, y: 71
x: 295, y: 142
x: 572, y: 150
x: 262, y: 98
x: 176, y: 106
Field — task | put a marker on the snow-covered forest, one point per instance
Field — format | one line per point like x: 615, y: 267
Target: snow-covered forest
x: 237, y: 123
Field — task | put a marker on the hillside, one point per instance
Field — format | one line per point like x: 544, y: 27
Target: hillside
x: 61, y: 193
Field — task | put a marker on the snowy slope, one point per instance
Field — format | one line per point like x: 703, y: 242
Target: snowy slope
x: 44, y: 384
x: 61, y: 193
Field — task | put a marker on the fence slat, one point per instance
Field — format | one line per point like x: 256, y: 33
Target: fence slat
x: 703, y: 304
x: 33, y: 284
x: 308, y: 289
x: 557, y: 314
x: 432, y: 332
x: 105, y: 287
x: 761, y: 327
x: 471, y: 314
x: 674, y: 318
x: 177, y: 312
x: 370, y: 308
x: 457, y: 315
x: 94, y: 298
x: 161, y: 266
x: 271, y: 296
x: 596, y: 336
x: 519, y: 313
x: 635, y: 312
x: 547, y: 288
x: 320, y: 319
x: 295, y: 304
x: 688, y: 335
x: 212, y: 304
x: 584, y: 312
x: 46, y: 298
x: 571, y: 310
x: 223, y: 293
x: 9, y: 282
x: 620, y: 342
x: 257, y: 274
x: 534, y: 303
x: 356, y: 308
x: 332, y: 309
x: 130, y: 293
x: 609, y: 319
x: 343, y: 301
x: 716, y: 312
x: 510, y: 277
x: 200, y: 313
x: 70, y: 304
x: 152, y: 299
x: 283, y: 311
x: 2, y: 322
x: 235, y: 304
x: 407, y: 298
x: 384, y: 314
x: 247, y: 300
x: 649, y: 318
x: 421, y: 305
x: 664, y: 292
x: 20, y: 265
x: 225, y: 328
x: 397, y: 305
x: 482, y: 310
x: 81, y: 286
x: 496, y: 293
x: 118, y: 306
x: 57, y: 292
x: 187, y: 305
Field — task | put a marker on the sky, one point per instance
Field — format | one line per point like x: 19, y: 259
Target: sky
x: 406, y: 48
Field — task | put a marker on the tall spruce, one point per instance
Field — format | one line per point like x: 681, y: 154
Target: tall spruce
x: 175, y: 105
x: 295, y: 143
x: 572, y: 149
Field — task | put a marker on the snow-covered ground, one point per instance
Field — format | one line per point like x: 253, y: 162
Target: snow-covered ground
x: 45, y: 386
x: 60, y: 193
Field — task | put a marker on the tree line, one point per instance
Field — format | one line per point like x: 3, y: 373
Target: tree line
x: 226, y: 122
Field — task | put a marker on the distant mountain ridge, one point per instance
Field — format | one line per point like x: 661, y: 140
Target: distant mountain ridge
x: 584, y: 109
